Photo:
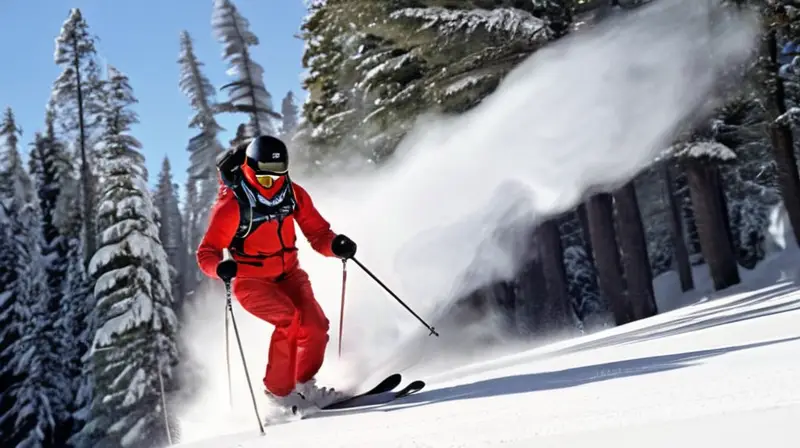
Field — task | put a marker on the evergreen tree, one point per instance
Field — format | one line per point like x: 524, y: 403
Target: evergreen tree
x: 361, y: 87
x: 202, y: 181
x: 327, y: 112
x: 40, y: 398
x: 76, y: 94
x: 289, y: 111
x: 10, y: 319
x: 247, y: 93
x: 16, y: 180
x: 14, y: 194
x: 76, y: 306
x: 171, y: 229
x: 467, y: 49
x: 50, y: 167
x: 136, y: 326
x: 372, y: 74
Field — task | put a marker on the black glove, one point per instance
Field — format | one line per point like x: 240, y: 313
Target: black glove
x: 343, y: 247
x: 226, y: 269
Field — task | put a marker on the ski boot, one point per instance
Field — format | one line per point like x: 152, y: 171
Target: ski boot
x: 317, y: 397
x: 283, y: 409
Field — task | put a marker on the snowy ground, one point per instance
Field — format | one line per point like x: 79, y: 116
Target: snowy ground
x: 721, y: 372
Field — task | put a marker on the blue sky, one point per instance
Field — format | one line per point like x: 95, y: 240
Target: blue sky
x: 141, y: 38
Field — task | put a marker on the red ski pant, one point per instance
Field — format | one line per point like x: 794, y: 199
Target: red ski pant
x: 298, y: 343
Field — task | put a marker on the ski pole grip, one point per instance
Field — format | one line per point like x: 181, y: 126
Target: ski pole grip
x: 226, y: 254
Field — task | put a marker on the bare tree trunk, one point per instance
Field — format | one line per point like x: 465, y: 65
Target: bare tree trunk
x: 680, y: 252
x: 722, y: 202
x: 600, y: 213
x: 781, y: 136
x: 556, y: 312
x: 714, y: 240
x: 530, y: 293
x: 633, y: 243
x: 583, y: 216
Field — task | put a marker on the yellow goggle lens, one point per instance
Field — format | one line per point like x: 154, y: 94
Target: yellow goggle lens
x: 266, y: 180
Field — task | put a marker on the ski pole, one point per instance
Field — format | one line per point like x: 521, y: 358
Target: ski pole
x: 431, y: 329
x: 341, y: 311
x: 229, y: 306
x: 228, y: 358
x: 241, y: 351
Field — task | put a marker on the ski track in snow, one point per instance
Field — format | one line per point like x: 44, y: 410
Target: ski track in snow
x: 719, y: 373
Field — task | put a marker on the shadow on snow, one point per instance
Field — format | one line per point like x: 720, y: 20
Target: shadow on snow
x: 533, y: 382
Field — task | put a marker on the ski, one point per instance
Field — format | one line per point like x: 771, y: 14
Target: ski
x: 377, y: 398
x: 385, y: 386
x: 388, y: 383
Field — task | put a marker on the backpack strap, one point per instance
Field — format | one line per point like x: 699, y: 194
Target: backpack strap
x: 229, y: 164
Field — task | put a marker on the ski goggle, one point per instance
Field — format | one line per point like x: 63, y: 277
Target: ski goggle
x: 267, y: 180
x: 270, y: 167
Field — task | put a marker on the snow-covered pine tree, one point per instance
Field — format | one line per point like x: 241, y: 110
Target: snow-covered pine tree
x: 136, y: 326
x: 467, y: 49
x: 166, y: 202
x: 50, y: 167
x: 79, y: 327
x: 76, y: 93
x: 76, y: 299
x: 328, y: 112
x: 14, y: 193
x: 34, y: 400
x: 77, y: 304
x: 372, y: 73
x: 10, y: 319
x: 16, y: 178
x: 202, y: 182
x: 40, y: 398
x: 289, y: 111
x: 362, y: 88
x: 247, y: 93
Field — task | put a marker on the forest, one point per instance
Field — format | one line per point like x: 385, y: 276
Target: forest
x: 97, y: 268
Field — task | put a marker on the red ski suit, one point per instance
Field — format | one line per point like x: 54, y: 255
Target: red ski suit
x: 271, y: 285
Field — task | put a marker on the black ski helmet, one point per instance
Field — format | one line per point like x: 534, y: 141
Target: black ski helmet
x: 267, y: 155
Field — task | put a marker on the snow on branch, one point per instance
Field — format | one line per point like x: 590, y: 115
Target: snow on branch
x: 789, y: 117
x: 703, y: 149
x: 514, y: 23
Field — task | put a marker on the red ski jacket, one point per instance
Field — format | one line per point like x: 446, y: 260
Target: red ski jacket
x: 266, y: 254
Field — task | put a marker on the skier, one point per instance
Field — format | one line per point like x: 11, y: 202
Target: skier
x: 254, y: 218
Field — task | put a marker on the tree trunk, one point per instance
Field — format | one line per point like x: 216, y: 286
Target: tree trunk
x: 531, y: 291
x: 633, y: 243
x: 555, y: 311
x: 714, y: 242
x: 87, y: 179
x: 680, y: 252
x: 583, y: 216
x: 722, y: 201
x: 600, y: 213
x: 684, y: 199
x: 781, y: 136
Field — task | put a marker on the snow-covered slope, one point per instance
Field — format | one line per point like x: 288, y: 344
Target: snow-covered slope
x: 721, y: 372
x: 590, y: 110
